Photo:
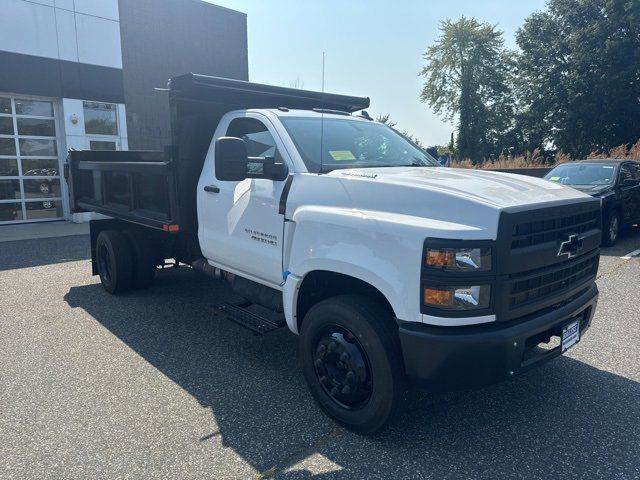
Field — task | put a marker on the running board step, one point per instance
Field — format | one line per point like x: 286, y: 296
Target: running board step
x: 250, y: 320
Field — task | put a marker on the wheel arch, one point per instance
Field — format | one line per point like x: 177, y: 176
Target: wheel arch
x: 318, y: 285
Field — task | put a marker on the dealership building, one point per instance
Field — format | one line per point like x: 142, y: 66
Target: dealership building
x: 88, y: 74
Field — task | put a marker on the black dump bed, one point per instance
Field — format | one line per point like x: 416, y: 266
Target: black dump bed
x: 158, y: 189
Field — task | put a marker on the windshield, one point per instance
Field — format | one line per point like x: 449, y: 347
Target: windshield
x: 582, y: 174
x: 350, y: 143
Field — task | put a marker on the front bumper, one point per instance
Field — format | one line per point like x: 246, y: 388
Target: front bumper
x: 450, y: 358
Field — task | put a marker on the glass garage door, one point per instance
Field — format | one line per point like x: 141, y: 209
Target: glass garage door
x: 30, y: 186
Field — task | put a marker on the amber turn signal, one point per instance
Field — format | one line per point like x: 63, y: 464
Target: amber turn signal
x: 458, y: 298
x: 438, y: 297
x: 440, y: 258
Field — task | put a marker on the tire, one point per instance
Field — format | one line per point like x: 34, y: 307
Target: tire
x: 113, y: 256
x: 611, y: 230
x: 361, y: 328
x: 144, y: 259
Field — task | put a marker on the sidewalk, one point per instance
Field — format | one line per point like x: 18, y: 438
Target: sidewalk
x: 27, y: 231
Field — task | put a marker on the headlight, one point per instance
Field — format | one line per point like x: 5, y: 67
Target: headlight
x: 458, y: 298
x: 459, y: 259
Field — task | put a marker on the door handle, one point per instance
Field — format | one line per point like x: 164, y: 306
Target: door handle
x: 211, y: 189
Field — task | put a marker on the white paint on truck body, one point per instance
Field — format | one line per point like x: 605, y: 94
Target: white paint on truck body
x: 367, y: 223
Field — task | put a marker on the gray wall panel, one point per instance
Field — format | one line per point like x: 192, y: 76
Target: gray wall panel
x: 31, y: 75
x: 165, y: 38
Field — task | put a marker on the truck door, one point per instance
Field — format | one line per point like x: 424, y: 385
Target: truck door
x: 635, y: 174
x: 630, y: 193
x: 239, y: 225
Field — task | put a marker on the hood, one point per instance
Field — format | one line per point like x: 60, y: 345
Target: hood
x: 486, y: 187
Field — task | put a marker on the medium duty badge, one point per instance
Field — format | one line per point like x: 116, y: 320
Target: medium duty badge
x: 571, y: 246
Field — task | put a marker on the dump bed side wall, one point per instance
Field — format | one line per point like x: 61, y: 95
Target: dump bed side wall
x: 139, y: 187
x: 159, y: 189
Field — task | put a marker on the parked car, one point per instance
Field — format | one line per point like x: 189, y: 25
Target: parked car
x: 615, y: 182
x: 45, y: 187
x: 389, y: 267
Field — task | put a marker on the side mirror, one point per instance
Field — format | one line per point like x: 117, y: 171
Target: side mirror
x: 231, y: 159
x: 275, y: 171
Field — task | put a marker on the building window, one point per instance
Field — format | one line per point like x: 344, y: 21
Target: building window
x: 37, y: 108
x: 100, y: 118
x: 102, y: 145
x: 30, y: 183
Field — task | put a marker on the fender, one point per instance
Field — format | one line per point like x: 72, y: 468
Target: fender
x: 379, y: 249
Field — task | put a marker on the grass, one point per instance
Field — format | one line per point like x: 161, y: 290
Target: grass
x: 536, y: 160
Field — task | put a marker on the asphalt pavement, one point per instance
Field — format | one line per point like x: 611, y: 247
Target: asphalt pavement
x: 153, y: 384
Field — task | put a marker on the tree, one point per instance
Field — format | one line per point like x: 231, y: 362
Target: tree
x: 467, y: 76
x: 297, y: 83
x: 578, y: 81
x: 386, y: 119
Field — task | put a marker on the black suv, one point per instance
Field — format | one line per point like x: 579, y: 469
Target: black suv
x: 615, y: 182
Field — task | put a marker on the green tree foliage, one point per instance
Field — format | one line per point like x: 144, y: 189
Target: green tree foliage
x: 467, y: 76
x: 386, y: 119
x: 578, y: 82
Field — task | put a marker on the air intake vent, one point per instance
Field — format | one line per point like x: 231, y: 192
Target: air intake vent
x: 538, y: 284
x: 527, y: 234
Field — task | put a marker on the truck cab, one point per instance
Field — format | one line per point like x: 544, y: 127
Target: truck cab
x: 392, y: 270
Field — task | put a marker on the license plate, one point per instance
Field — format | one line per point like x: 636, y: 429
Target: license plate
x: 570, y: 335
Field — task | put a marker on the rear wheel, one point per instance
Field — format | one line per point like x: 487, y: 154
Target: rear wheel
x: 144, y: 259
x: 611, y: 229
x: 352, y: 362
x: 113, y: 256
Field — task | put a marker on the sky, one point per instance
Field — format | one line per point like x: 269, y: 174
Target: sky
x: 372, y: 48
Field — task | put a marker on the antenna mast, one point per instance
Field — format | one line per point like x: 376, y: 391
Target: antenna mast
x: 322, y: 72
x: 322, y: 118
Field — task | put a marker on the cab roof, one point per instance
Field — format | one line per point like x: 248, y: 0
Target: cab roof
x: 316, y: 113
x: 608, y: 161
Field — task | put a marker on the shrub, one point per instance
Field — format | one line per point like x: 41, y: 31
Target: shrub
x: 535, y: 159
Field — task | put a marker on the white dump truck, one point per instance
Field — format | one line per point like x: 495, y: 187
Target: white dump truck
x: 392, y: 270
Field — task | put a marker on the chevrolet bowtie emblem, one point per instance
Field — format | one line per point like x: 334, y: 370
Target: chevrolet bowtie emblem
x: 571, y: 246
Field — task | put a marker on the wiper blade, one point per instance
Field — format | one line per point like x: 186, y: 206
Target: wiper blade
x: 416, y: 164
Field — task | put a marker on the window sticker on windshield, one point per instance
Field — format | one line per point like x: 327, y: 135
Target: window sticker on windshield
x: 554, y: 179
x: 341, y: 155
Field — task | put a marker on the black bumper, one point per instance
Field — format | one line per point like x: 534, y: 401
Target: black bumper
x: 458, y: 358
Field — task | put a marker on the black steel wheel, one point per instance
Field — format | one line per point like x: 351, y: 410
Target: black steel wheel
x: 104, y: 263
x: 113, y: 256
x: 352, y: 362
x: 342, y: 367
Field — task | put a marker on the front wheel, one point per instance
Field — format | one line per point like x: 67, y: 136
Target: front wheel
x: 352, y: 362
x: 611, y: 229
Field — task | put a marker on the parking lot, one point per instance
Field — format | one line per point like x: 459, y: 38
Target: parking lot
x: 152, y: 384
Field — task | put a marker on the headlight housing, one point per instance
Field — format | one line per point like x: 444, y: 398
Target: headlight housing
x: 474, y: 259
x: 475, y: 297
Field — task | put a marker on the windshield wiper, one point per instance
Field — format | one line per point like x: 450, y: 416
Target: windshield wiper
x: 416, y: 164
